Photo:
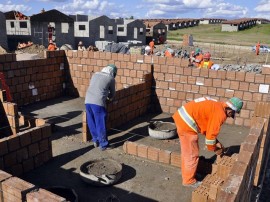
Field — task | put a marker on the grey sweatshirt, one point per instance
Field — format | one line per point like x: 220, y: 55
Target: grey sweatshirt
x: 102, y: 86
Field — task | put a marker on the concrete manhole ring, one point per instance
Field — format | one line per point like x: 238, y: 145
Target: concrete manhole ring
x: 162, y: 130
x: 101, y: 172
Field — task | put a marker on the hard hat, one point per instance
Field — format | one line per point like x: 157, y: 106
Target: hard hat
x: 235, y: 104
x: 197, y: 51
x: 207, y: 56
x: 50, y: 41
x: 114, y: 69
x: 80, y: 43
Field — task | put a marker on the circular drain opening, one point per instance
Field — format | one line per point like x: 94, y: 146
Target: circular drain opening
x: 69, y: 194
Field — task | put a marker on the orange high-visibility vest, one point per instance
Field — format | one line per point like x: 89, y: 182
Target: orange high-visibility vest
x: 202, y: 115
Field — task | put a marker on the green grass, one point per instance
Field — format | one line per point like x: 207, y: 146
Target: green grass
x: 213, y: 34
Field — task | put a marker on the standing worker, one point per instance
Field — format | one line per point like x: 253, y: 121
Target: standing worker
x: 203, y: 115
x: 152, y: 46
x: 258, y: 45
x: 101, y: 88
x: 81, y: 47
x: 206, y: 63
x: 52, y: 46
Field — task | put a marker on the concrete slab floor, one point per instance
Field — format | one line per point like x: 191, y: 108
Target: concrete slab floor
x: 142, y: 180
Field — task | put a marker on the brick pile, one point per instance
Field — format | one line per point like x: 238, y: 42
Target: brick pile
x: 187, y: 40
x: 15, y: 189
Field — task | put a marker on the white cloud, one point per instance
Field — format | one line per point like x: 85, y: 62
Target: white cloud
x: 198, y: 3
x: 17, y: 7
x: 263, y: 6
x: 225, y: 10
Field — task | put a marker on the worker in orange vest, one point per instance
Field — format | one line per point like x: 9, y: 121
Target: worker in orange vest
x: 202, y: 115
x: 152, y: 46
x: 198, y: 57
x: 52, y: 46
x: 258, y: 45
x: 206, y: 63
x: 169, y: 53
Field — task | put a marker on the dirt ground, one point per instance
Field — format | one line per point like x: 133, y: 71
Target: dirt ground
x: 142, y: 180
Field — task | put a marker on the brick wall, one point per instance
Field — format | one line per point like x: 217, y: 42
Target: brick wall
x: 26, y: 144
x: 34, y: 80
x: 15, y: 189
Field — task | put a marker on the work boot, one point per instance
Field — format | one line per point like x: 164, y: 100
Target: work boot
x: 95, y: 144
x: 194, y: 185
x: 109, y: 147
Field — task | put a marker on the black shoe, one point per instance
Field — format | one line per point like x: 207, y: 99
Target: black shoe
x: 109, y: 147
x: 95, y: 144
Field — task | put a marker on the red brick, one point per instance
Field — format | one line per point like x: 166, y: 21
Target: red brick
x: 165, y: 156
x: 43, y: 195
x: 176, y: 159
x: 142, y: 150
x: 240, y: 76
x: 25, y: 138
x: 22, y: 154
x: 35, y: 134
x: 16, y: 187
x: 33, y: 149
x: 250, y: 77
x: 153, y: 153
x: 3, y: 146
x: 28, y: 165
x: 132, y: 148
x: 230, y: 75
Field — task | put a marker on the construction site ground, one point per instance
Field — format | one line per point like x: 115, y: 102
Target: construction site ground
x: 142, y: 179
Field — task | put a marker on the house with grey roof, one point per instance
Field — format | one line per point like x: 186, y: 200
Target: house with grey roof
x: 155, y: 30
x: 3, y: 33
x: 91, y: 29
x: 52, y: 25
x: 130, y: 30
x: 18, y: 28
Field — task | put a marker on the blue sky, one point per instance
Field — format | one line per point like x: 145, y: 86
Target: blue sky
x: 228, y: 9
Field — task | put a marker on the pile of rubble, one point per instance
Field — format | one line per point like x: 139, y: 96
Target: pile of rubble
x: 256, y: 68
x: 33, y: 49
x: 2, y: 50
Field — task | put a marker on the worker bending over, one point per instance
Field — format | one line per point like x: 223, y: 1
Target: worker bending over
x: 206, y: 63
x: 169, y: 53
x: 203, y: 115
x: 101, y: 88
x: 198, y: 57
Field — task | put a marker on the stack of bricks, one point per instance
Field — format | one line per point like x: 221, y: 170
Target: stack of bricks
x: 262, y: 109
x: 12, y: 116
x: 225, y: 164
x: 152, y: 153
x: 239, y: 184
x: 128, y: 104
x: 212, y: 183
x: 187, y: 40
x: 208, y: 190
x: 15, y: 189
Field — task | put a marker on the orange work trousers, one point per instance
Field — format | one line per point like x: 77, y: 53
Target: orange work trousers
x: 189, y: 156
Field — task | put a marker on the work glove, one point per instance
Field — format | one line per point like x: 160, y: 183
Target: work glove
x: 219, y: 148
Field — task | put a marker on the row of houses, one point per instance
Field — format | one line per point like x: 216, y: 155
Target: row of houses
x: 64, y: 29
x: 241, y: 24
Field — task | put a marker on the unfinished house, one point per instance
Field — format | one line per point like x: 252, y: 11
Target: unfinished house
x: 102, y: 29
x: 130, y: 30
x: 52, y: 25
x: 18, y: 29
x: 3, y: 33
x: 155, y: 30
x: 81, y: 29
x: 206, y: 21
x: 238, y: 24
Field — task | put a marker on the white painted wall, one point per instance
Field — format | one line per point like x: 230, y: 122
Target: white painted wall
x: 81, y: 33
x: 17, y: 29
